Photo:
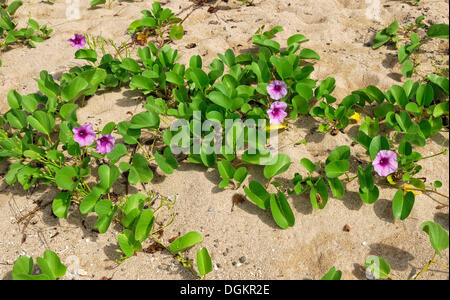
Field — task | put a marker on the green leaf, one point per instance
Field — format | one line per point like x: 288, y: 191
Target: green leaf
x: 61, y: 204
x: 304, y: 90
x: 51, y: 265
x: 336, y: 186
x: 412, y: 107
x: 407, y: 68
x: 442, y: 82
x: 128, y: 243
x: 175, y: 78
x: 117, y: 153
x: 108, y: 175
x: 399, y: 95
x: 258, y: 194
x: 199, y: 77
x: 226, y: 170
x: 424, y: 95
x: 67, y: 178
x: 438, y: 31
x: 309, y: 165
x: 378, y: 266
x: 139, y: 171
x: 147, y: 120
x: 13, y: 7
x: 144, y: 225
x: 87, y: 54
x: 336, y: 168
x: 17, y: 118
x: 405, y: 148
x: 281, y: 164
x: 14, y: 99
x: 108, y: 128
x: 22, y: 266
x: 369, y: 196
x: 382, y: 110
x: 378, y: 143
x: 332, y: 274
x: 440, y: 109
x: 88, y: 203
x: 438, y: 236
x: 229, y: 58
x: 131, y: 65
x: 281, y: 211
x: 240, y: 174
x: 437, y: 184
x: 74, y: 89
x: 186, y: 241
x: 300, y: 104
x: 68, y: 112
x: 272, y: 45
x: 97, y: 2
x: 402, y: 204
x: 204, y: 263
x: 142, y: 82
x: 308, y: 54
x: 340, y: 153
x: 176, y: 32
x: 283, y: 67
x: 326, y: 87
x: 166, y: 162
x: 42, y: 122
x: 105, y: 213
x: 296, y: 38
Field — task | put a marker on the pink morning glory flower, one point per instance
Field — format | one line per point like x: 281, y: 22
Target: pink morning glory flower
x: 84, y: 135
x: 385, y: 162
x: 277, y: 89
x: 105, y: 144
x: 277, y: 112
x: 78, y: 42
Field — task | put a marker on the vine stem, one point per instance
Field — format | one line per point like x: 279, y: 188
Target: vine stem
x: 427, y: 190
x: 430, y: 156
x: 438, y: 263
x: 415, y: 189
x: 179, y: 257
x: 426, y: 267
x: 145, y: 152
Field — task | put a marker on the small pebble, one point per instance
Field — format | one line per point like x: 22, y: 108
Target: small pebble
x: 364, y: 243
x: 242, y: 259
x: 369, y: 275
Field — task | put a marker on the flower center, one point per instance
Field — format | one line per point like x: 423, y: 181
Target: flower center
x: 384, y: 161
x: 277, y: 87
x: 275, y: 111
x: 82, y: 133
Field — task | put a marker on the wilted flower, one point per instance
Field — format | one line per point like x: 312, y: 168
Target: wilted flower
x: 277, y: 89
x: 385, y: 162
x: 277, y: 112
x: 78, y: 42
x: 84, y: 135
x: 105, y: 144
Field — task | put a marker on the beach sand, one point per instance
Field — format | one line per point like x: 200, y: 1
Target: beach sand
x: 244, y: 243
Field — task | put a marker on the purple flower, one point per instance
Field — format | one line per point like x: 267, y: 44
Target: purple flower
x: 105, y: 144
x: 385, y: 163
x: 277, y: 89
x: 84, y: 135
x: 78, y: 42
x: 277, y: 112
